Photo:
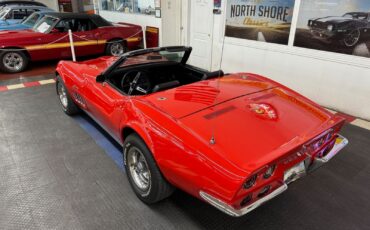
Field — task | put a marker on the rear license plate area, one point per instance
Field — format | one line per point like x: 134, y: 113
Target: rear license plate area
x: 295, y: 173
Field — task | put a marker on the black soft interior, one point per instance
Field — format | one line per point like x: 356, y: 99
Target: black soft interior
x: 158, y: 76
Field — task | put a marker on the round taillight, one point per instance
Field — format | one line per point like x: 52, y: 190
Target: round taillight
x: 269, y: 172
x: 250, y: 182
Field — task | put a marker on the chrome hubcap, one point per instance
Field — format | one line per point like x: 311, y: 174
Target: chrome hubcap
x: 139, y: 169
x: 352, y: 38
x: 62, y: 95
x: 116, y: 49
x: 13, y: 61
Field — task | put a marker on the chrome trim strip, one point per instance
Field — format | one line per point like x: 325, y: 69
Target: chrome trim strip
x: 235, y: 212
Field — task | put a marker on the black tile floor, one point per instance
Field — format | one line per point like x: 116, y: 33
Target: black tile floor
x: 54, y: 176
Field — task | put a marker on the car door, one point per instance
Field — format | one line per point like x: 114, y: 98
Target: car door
x: 84, y: 37
x: 53, y: 42
x: 105, y: 104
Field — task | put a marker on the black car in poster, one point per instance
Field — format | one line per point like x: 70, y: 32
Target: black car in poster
x: 348, y: 29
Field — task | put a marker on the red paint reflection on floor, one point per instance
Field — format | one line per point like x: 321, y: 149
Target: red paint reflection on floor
x: 30, y: 84
x: 34, y: 69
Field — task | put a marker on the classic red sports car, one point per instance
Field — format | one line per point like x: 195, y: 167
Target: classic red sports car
x: 49, y: 39
x: 234, y: 140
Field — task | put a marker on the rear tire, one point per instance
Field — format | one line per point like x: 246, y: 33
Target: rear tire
x: 13, y: 61
x: 143, y: 173
x: 115, y: 48
x: 68, y: 105
x: 351, y: 39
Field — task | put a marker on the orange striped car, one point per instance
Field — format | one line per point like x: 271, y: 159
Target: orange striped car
x: 49, y: 39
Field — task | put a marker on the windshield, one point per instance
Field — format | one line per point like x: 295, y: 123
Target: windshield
x: 356, y: 16
x: 3, y: 13
x: 45, y: 24
x: 152, y: 57
x: 31, y: 20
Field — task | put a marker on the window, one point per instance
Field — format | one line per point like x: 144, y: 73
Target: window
x: 76, y: 25
x: 129, y: 6
x: 45, y: 24
x: 31, y: 20
x: 4, y: 14
x: 21, y: 13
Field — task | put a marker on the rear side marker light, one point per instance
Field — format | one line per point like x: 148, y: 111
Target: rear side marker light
x: 250, y: 182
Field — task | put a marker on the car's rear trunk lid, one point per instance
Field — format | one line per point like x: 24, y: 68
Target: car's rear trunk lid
x: 252, y: 120
x: 188, y: 99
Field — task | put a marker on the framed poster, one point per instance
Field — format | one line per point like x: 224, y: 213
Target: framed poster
x: 260, y: 20
x: 342, y: 26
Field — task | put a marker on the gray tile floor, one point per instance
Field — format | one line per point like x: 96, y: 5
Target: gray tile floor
x: 54, y: 176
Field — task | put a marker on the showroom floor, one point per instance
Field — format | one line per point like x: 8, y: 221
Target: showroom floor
x: 58, y: 172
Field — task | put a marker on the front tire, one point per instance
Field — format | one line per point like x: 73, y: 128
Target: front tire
x: 143, y: 173
x: 115, y: 48
x: 13, y: 61
x: 68, y: 105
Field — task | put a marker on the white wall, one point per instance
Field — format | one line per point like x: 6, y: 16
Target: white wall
x: 138, y: 19
x: 52, y: 4
x: 337, y: 81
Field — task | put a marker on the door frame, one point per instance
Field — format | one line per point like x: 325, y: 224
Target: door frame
x: 189, y: 28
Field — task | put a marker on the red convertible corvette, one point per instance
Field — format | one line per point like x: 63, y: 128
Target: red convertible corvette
x: 235, y: 141
x: 49, y: 39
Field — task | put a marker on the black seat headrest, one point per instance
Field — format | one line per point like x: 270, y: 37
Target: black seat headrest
x: 214, y: 74
x: 166, y: 85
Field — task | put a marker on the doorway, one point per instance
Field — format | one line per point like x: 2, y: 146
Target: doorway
x: 171, y: 22
x: 201, y: 33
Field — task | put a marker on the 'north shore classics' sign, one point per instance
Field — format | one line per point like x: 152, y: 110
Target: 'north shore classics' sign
x: 262, y: 20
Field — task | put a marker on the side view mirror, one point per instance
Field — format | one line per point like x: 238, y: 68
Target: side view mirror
x: 100, y: 78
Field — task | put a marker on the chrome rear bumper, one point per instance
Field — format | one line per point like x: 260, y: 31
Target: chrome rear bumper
x: 340, y: 143
x: 235, y: 212
x: 228, y: 209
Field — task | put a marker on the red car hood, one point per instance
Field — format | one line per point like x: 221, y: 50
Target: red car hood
x: 18, y: 34
x: 253, y: 121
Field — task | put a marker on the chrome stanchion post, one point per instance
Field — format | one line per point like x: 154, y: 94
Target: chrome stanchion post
x: 144, y: 36
x: 72, y: 45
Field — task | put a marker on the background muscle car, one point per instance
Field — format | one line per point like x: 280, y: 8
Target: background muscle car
x: 234, y: 141
x: 48, y: 39
x: 15, y: 14
x: 21, y: 2
x: 348, y: 29
x: 27, y: 23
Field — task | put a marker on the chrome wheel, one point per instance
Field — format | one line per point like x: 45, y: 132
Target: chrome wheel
x: 139, y: 170
x: 116, y: 49
x: 13, y: 61
x: 352, y: 38
x: 62, y: 95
